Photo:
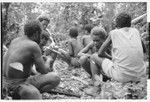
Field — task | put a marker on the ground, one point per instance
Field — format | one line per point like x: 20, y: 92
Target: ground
x: 75, y: 80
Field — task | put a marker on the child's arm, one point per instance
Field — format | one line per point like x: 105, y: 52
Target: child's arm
x: 85, y: 50
x: 105, y: 45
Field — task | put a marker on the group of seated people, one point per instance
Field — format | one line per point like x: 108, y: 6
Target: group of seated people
x: 124, y: 64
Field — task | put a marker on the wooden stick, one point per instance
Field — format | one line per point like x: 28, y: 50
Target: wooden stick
x: 138, y: 19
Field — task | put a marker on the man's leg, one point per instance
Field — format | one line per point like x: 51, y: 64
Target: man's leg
x: 95, y: 63
x: 96, y: 67
x: 85, y: 63
x: 27, y: 91
x: 45, y: 82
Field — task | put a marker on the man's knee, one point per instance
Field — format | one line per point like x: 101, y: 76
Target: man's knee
x: 29, y: 92
x: 83, y: 59
x: 54, y: 77
x: 94, y: 56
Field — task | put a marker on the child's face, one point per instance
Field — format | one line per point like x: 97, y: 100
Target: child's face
x: 43, y: 42
x: 97, y: 40
x: 44, y: 24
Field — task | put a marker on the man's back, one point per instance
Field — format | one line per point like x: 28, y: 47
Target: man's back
x: 20, y: 51
x: 127, y: 51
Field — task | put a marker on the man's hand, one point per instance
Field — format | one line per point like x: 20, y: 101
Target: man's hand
x: 52, y: 45
x: 87, y: 55
x: 49, y: 63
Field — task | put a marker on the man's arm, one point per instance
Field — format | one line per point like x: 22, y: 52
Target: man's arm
x: 82, y: 41
x: 39, y: 62
x: 105, y: 45
x: 85, y: 50
x: 144, y: 48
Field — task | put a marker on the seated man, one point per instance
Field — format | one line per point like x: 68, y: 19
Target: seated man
x: 98, y: 36
x: 17, y: 63
x: 127, y: 62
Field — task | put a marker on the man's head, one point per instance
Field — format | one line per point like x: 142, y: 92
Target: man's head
x: 123, y: 20
x: 73, y: 33
x: 33, y: 29
x: 44, y: 20
x: 88, y: 28
x: 98, y: 35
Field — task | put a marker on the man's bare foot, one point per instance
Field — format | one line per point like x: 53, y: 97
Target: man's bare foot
x: 93, y: 91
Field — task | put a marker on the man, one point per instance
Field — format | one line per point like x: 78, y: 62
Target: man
x: 18, y: 61
x: 127, y: 63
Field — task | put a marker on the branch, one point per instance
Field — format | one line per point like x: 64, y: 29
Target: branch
x: 138, y: 19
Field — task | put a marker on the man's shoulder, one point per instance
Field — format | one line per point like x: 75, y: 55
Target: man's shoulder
x: 27, y: 42
x: 114, y: 30
x: 134, y: 29
x: 32, y: 44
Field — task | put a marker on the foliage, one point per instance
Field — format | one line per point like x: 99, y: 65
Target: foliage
x: 64, y: 15
x: 109, y: 90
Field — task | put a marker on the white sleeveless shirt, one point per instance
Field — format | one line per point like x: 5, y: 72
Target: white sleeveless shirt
x: 127, y: 52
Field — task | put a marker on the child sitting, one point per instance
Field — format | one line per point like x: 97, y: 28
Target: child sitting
x: 86, y: 39
x: 98, y: 35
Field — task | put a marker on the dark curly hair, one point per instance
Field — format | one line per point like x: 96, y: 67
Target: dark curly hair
x: 41, y: 18
x: 31, y: 27
x: 88, y: 28
x: 44, y: 35
x: 73, y: 32
x: 123, y: 20
x: 100, y: 31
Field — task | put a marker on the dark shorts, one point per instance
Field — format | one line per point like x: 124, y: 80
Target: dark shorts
x: 10, y: 87
x: 36, y: 82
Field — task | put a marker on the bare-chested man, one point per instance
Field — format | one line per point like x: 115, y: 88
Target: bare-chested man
x: 18, y: 61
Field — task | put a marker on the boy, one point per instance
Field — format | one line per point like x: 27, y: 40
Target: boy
x: 86, y: 39
x: 98, y: 36
x: 74, y: 46
x: 127, y: 62
x: 18, y: 61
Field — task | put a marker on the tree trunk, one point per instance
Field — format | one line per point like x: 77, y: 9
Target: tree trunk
x: 5, y: 19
